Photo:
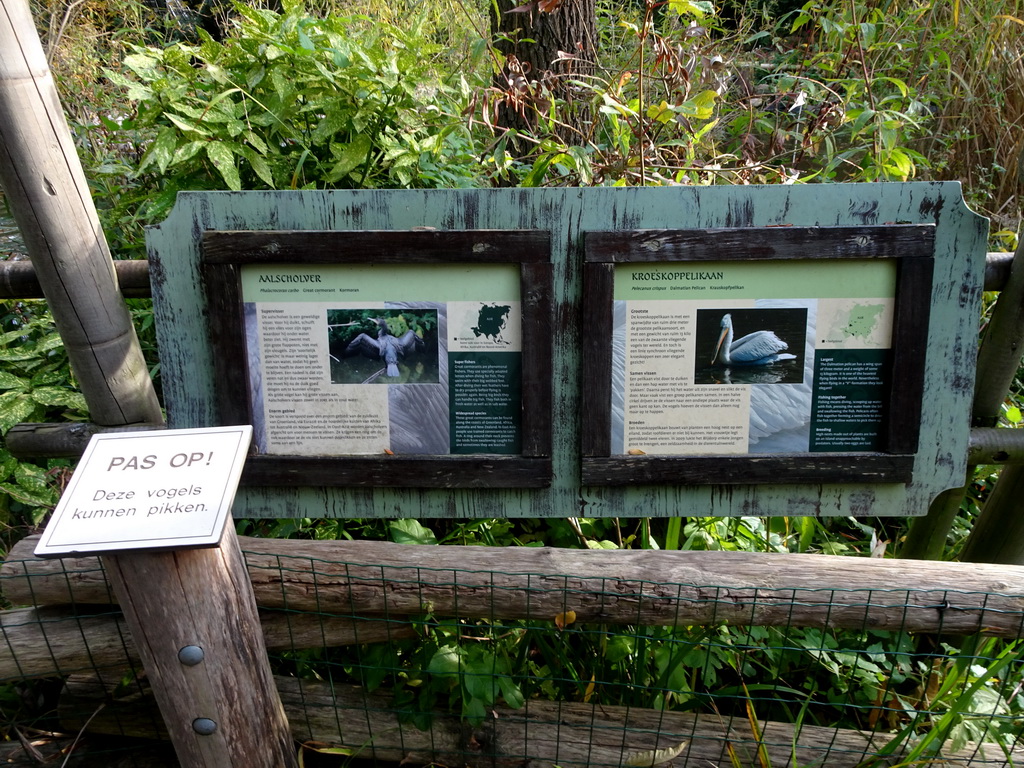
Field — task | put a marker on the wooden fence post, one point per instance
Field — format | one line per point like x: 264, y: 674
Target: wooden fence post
x: 191, y: 612
x: 998, y: 359
x: 201, y: 644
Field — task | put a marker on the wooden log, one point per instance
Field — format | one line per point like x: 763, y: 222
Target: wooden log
x: 193, y: 617
x: 49, y: 441
x: 18, y: 280
x: 58, y: 640
x: 49, y: 196
x: 615, y: 587
x: 568, y: 734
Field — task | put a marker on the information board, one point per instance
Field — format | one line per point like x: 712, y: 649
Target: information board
x: 626, y: 406
x: 752, y: 357
x: 804, y: 348
x: 364, y: 359
x: 405, y: 353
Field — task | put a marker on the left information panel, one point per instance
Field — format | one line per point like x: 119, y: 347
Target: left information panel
x: 369, y: 359
x: 385, y: 358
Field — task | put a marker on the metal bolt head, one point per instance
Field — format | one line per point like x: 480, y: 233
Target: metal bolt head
x: 190, y: 655
x: 204, y: 726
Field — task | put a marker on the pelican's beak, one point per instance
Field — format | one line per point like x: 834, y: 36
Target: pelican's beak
x: 718, y: 346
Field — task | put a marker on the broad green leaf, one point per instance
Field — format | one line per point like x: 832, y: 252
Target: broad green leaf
x: 218, y: 74
x: 141, y: 63
x: 60, y: 396
x: 256, y: 142
x: 282, y: 84
x: 185, y: 125
x: 511, y: 692
x: 187, y: 151
x: 698, y: 8
x: 350, y: 157
x: 446, y: 662
x: 15, y: 408
x: 661, y: 113
x: 136, y: 90
x: 27, y: 497
x: 51, y: 342
x: 32, y: 479
x: 224, y: 161
x: 410, y: 531
x: 161, y: 151
x: 8, y: 463
x: 329, y: 125
x: 10, y: 381
x: 480, y: 680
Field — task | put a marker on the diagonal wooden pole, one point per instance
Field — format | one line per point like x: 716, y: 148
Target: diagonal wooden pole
x: 48, y: 194
x: 191, y: 612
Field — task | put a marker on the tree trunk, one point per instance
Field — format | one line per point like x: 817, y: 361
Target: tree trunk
x: 545, y: 46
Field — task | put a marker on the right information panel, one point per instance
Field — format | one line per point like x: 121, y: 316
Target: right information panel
x: 746, y: 356
x: 757, y: 357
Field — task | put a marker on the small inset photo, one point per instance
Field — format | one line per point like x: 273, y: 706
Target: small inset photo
x: 383, y: 346
x: 750, y: 346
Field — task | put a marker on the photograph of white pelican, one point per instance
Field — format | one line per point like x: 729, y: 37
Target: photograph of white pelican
x: 750, y: 346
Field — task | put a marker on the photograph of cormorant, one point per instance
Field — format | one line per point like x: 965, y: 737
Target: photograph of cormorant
x: 383, y: 346
x: 750, y: 346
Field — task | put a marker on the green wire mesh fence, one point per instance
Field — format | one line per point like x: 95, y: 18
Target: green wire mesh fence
x: 568, y: 658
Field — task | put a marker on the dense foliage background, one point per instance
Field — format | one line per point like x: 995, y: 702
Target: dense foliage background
x: 336, y: 94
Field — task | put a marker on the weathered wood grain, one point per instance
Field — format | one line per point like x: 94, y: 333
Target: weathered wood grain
x: 747, y: 470
x: 190, y: 380
x: 382, y: 247
x: 567, y: 734
x: 47, y: 192
x: 18, y: 280
x: 615, y: 587
x: 786, y: 242
x: 60, y: 640
x: 202, y: 597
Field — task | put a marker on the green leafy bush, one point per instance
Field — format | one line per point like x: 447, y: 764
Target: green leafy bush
x: 296, y: 102
x: 35, y: 385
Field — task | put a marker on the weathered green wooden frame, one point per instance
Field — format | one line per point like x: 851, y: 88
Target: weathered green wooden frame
x: 911, y: 246
x: 191, y: 384
x: 224, y: 253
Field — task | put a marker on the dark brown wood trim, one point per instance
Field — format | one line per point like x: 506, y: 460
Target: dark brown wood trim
x: 796, y: 468
x: 886, y: 241
x: 536, y: 294
x: 909, y: 351
x: 596, y: 365
x: 471, y: 471
x: 481, y: 246
x: 227, y: 338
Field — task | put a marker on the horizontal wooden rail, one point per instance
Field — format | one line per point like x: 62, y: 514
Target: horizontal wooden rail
x: 569, y: 734
x: 18, y: 278
x: 613, y: 587
x: 61, y: 640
